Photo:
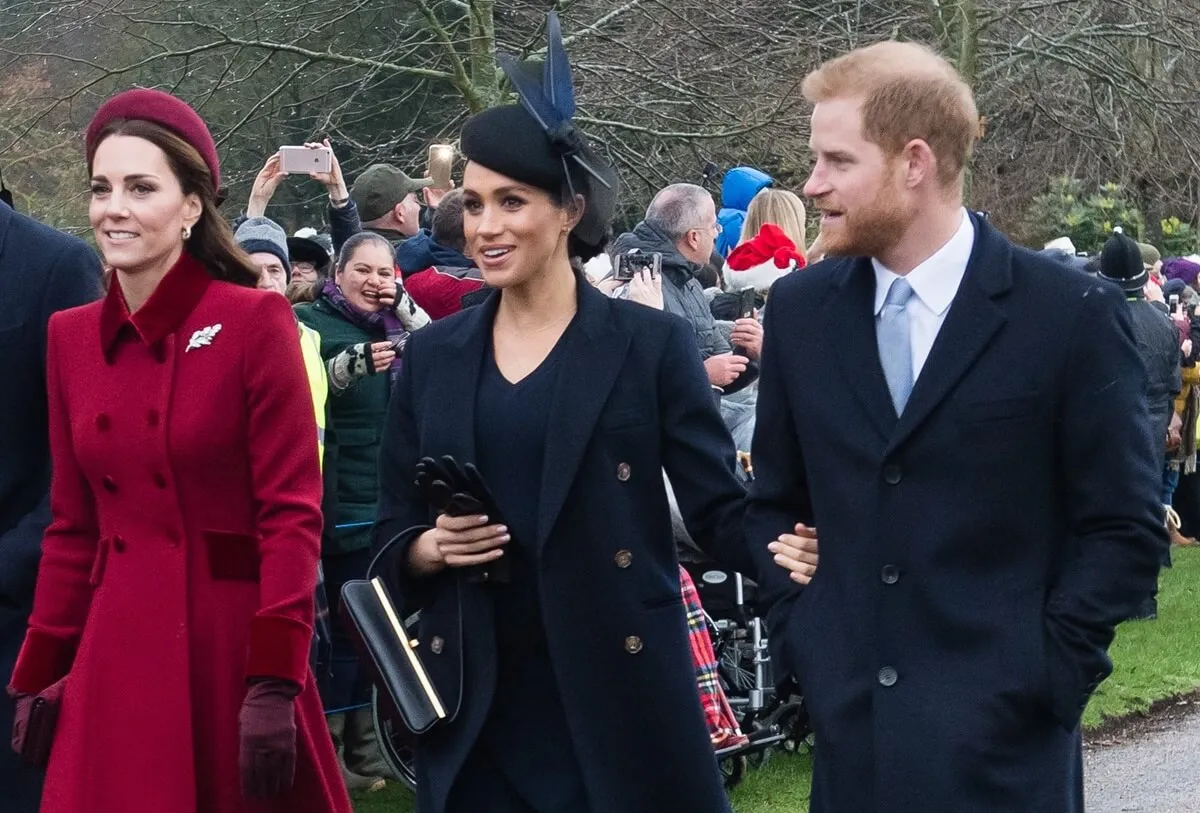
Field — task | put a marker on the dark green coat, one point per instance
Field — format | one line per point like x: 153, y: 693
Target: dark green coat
x: 352, y: 437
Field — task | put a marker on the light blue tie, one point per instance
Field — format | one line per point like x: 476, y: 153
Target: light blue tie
x: 895, y: 343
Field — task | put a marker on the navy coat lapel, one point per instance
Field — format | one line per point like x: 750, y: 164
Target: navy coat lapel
x: 460, y: 380
x: 850, y: 328
x: 594, y: 360
x: 974, y: 318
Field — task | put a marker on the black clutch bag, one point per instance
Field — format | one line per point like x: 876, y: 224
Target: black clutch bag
x: 390, y: 654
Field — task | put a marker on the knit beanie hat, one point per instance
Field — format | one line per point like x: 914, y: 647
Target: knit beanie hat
x: 759, y: 262
x: 1182, y: 269
x: 165, y: 110
x: 1121, y: 262
x: 265, y: 235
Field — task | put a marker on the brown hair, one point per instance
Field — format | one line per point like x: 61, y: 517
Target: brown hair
x: 780, y: 207
x: 212, y: 240
x: 908, y: 92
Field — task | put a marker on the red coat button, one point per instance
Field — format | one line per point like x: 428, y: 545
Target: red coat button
x: 102, y: 422
x: 110, y: 485
x: 152, y: 417
x: 159, y: 480
x: 118, y: 544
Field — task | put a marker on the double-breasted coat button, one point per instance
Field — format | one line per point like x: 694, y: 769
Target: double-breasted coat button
x: 118, y: 543
x: 152, y: 417
x: 633, y: 645
x: 623, y: 472
x: 890, y: 574
x: 887, y: 676
x: 437, y: 644
x: 159, y: 480
x: 102, y: 422
x: 160, y: 353
x: 892, y: 474
x: 110, y: 485
x: 623, y: 559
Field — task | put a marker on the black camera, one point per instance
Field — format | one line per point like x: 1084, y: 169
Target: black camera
x: 629, y: 265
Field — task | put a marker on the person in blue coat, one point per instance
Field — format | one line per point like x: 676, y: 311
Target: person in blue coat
x: 568, y: 666
x: 41, y: 271
x: 738, y: 188
x: 965, y: 424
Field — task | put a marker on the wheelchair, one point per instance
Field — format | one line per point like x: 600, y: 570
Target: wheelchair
x: 772, y: 717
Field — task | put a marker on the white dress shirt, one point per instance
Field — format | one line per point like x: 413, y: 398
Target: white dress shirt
x: 935, y: 283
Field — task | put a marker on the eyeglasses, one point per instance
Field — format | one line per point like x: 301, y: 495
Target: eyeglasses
x: 716, y: 227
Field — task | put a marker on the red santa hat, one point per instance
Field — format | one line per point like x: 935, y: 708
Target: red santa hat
x: 759, y: 262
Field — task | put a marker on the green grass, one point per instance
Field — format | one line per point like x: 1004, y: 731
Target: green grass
x: 1153, y: 660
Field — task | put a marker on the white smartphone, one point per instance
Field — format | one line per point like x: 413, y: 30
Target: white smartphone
x: 303, y: 160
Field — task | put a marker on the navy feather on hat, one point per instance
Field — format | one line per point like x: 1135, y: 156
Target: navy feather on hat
x: 536, y: 142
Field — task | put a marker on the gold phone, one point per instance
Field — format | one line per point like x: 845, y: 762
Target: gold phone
x: 441, y: 161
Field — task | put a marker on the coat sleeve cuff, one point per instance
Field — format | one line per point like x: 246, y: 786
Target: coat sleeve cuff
x: 44, y: 660
x: 279, y: 648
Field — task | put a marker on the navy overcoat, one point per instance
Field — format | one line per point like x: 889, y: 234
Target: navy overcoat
x: 632, y: 401
x: 977, y: 552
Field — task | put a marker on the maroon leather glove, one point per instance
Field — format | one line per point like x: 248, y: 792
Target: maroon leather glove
x: 35, y: 722
x: 267, y: 724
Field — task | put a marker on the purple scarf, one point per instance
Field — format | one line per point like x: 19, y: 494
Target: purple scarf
x: 382, y: 321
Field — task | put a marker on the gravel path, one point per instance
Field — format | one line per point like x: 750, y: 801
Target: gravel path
x: 1154, y: 769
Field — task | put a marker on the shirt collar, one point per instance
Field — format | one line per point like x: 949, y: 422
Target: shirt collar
x: 176, y: 295
x: 935, y: 281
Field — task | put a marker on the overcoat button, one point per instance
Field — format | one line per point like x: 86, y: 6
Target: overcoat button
x: 159, y: 480
x: 152, y: 417
x: 160, y: 353
x: 890, y: 574
x: 633, y: 645
x: 892, y: 474
x: 623, y: 559
x: 436, y: 645
x: 887, y: 676
x: 102, y: 422
x: 118, y: 544
x: 623, y: 472
x: 110, y: 485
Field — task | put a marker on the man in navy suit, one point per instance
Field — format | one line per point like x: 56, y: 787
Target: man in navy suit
x: 965, y: 424
x: 41, y: 271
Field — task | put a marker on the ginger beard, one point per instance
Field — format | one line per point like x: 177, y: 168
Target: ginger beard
x: 867, y: 229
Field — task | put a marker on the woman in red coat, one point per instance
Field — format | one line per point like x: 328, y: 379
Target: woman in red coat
x: 175, y: 596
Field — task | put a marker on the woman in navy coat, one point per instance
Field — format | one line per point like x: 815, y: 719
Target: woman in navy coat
x: 572, y: 678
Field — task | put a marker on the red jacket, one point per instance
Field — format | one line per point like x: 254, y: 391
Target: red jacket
x: 183, y: 551
x: 439, y: 291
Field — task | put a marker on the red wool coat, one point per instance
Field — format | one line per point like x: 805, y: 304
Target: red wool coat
x: 183, y: 551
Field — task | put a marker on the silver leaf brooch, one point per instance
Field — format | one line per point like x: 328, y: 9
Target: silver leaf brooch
x: 203, y: 337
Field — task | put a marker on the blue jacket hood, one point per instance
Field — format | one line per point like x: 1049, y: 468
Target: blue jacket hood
x: 740, y: 186
x: 420, y: 252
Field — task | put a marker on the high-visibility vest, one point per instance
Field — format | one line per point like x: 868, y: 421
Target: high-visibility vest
x: 318, y: 381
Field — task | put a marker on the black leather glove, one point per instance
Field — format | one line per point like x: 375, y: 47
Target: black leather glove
x: 460, y: 491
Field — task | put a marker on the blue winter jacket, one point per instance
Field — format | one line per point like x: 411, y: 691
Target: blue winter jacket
x: 740, y: 186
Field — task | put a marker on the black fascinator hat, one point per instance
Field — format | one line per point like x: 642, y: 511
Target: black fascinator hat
x: 536, y: 142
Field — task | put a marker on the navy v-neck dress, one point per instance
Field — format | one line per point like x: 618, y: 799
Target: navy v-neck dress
x: 524, y: 759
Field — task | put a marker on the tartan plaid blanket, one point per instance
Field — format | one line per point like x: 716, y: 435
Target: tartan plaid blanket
x: 722, y: 725
x: 321, y: 654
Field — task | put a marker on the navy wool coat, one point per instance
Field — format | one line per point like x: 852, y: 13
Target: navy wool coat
x: 41, y: 271
x: 977, y: 552
x: 633, y: 400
